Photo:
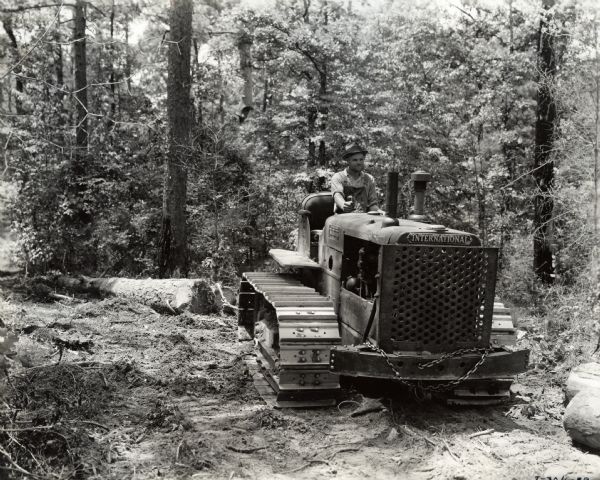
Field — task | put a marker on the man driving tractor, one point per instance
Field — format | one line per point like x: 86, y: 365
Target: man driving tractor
x: 353, y: 189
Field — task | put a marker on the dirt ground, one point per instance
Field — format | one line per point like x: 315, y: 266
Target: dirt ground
x: 107, y: 388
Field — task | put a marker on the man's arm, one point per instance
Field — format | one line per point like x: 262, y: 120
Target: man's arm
x: 338, y: 198
x: 337, y: 190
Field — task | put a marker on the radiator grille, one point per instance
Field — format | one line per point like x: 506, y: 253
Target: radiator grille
x: 437, y: 298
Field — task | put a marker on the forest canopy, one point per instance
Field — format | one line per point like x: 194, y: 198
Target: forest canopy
x: 499, y: 101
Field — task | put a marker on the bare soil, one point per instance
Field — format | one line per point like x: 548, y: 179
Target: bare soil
x: 110, y: 389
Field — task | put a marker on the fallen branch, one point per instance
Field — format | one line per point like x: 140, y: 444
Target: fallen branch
x: 454, y: 457
x: 244, y: 450
x: 369, y: 407
x: 90, y: 422
x: 58, y: 296
x: 16, y: 465
x: 342, y: 443
x: 10, y: 469
x: 82, y: 364
x: 178, y: 450
x: 342, y: 450
x: 171, y: 309
x: 226, y: 306
x: 302, y: 467
x: 26, y: 449
x: 103, y: 379
x: 29, y: 429
x: 431, y: 442
x: 141, y: 437
x: 74, y: 345
x: 482, y: 432
x: 347, y: 401
x: 484, y: 449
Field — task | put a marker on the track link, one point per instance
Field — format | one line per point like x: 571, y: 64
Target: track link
x: 294, y: 328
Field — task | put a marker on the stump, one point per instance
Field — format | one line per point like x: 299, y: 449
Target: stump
x: 583, y: 378
x: 582, y: 419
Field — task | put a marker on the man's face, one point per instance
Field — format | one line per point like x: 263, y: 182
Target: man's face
x: 356, y: 162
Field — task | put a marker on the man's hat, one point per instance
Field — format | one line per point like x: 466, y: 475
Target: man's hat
x: 352, y: 149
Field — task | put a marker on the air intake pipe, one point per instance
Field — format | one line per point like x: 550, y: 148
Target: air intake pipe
x: 420, y: 179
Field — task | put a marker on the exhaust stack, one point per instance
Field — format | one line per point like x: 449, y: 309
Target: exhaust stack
x: 391, y: 195
x: 420, y: 179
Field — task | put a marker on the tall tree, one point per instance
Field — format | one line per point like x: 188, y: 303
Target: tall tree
x: 58, y: 55
x: 543, y: 172
x: 596, y: 132
x: 111, y: 78
x: 80, y: 216
x: 173, y: 257
x: 245, y: 49
x: 7, y: 23
x: 81, y: 97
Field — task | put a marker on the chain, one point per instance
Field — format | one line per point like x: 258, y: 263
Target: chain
x: 417, y: 386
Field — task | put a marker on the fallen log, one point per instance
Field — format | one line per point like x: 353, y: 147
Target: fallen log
x: 583, y: 378
x: 170, y: 295
x: 582, y: 419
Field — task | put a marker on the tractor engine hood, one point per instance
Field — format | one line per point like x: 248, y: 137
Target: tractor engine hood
x: 377, y: 229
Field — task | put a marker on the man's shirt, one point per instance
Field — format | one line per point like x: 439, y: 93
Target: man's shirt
x: 362, y: 189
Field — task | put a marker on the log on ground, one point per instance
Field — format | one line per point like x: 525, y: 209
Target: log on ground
x: 583, y: 378
x: 582, y: 419
x: 170, y: 295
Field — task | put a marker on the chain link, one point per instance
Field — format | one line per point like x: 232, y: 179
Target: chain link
x: 417, y: 386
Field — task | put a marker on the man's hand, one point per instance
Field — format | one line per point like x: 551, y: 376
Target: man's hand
x: 348, y: 206
x: 343, y: 205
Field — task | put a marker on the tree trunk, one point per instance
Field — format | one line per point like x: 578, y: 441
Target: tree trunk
x: 506, y: 204
x: 267, y: 95
x: 197, y: 105
x: 596, y: 124
x: 324, y: 112
x: 19, y: 86
x: 79, y: 160
x: 173, y: 258
x: 58, y: 59
x: 480, y: 187
x: 80, y: 61
x: 312, y: 148
x: 111, y: 78
x: 221, y: 87
x: 323, y: 106
x: 245, y: 49
x: 306, y: 13
x: 127, y: 56
x: 544, y: 167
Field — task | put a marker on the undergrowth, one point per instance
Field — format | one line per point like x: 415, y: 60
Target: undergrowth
x: 562, y: 321
x: 50, y: 420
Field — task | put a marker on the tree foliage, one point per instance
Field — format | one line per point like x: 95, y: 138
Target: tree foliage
x: 451, y: 90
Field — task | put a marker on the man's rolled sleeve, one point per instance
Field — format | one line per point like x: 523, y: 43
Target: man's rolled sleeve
x: 337, y: 185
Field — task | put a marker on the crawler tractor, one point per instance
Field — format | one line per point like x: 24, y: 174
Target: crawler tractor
x: 381, y: 298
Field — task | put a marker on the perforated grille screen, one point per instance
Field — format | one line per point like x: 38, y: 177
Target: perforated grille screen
x: 436, y: 298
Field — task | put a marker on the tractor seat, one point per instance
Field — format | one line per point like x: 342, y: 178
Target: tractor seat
x: 320, y: 208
